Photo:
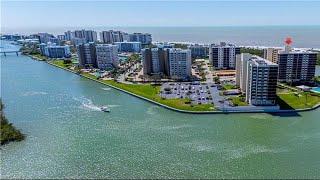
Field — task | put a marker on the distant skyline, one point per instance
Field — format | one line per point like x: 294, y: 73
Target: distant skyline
x: 17, y: 15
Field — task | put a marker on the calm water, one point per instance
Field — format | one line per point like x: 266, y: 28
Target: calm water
x: 303, y: 36
x: 68, y: 137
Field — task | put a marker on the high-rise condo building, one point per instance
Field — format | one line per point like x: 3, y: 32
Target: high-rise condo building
x: 199, y: 51
x: 223, y: 56
x: 54, y: 51
x: 54, y: 40
x: 87, y: 35
x: 111, y: 36
x: 44, y: 37
x: 128, y: 46
x: 144, y: 38
x: 61, y: 37
x: 175, y: 63
x: 107, y: 56
x: 90, y: 36
x: 271, y: 54
x: 87, y: 55
x: 179, y: 63
x: 155, y: 61
x: 257, y: 78
x: 69, y: 35
x: 296, y: 66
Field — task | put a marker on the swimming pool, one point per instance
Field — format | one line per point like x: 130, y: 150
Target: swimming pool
x: 316, y: 89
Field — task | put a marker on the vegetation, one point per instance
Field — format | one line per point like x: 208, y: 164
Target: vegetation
x: 258, y: 52
x: 318, y: 59
x: 182, y: 46
x: 39, y: 57
x: 295, y: 100
x: 30, y: 49
x: 316, y: 79
x: 134, y: 57
x: 8, y: 131
x: 228, y: 86
x: 287, y: 98
x: 148, y: 91
x: 62, y: 63
x: 152, y: 92
x: 238, y: 101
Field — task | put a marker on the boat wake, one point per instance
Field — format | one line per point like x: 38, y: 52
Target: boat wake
x: 87, y: 104
x: 106, y: 89
x: 33, y: 93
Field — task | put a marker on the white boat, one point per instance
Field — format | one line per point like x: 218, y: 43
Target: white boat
x: 104, y: 109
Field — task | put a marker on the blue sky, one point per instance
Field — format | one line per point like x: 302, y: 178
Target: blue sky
x: 157, y: 13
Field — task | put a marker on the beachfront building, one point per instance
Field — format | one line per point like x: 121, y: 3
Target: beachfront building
x: 257, y: 78
x: 271, y: 54
x: 111, y: 36
x: 296, y: 66
x: 154, y: 61
x: 87, y: 35
x: 78, y: 41
x: 44, y: 37
x: 143, y: 38
x: 179, y: 61
x: 199, y: 51
x: 61, y: 37
x: 69, y: 35
x: 128, y: 46
x: 172, y: 62
x: 54, y: 51
x: 54, y: 40
x: 87, y: 55
x: 107, y: 56
x: 223, y: 56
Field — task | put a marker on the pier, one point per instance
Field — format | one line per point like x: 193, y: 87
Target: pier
x: 8, y: 52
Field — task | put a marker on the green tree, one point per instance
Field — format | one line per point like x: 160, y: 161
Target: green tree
x: 8, y: 131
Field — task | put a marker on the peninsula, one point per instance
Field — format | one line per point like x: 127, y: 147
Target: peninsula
x: 195, y: 78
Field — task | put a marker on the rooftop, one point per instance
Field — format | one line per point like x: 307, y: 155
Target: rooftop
x: 259, y: 61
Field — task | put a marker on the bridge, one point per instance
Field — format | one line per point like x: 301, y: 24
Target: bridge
x: 8, y: 52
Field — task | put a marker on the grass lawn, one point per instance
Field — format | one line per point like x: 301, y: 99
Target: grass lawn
x: 152, y: 92
x: 238, y: 101
x: 61, y: 64
x: 228, y: 86
x: 293, y: 101
x: 39, y: 57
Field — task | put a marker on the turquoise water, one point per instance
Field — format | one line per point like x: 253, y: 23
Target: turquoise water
x: 68, y: 137
x: 317, y: 89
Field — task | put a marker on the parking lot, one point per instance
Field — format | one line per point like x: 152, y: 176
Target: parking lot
x: 198, y: 93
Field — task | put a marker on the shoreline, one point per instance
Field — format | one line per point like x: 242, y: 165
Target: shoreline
x: 186, y: 111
